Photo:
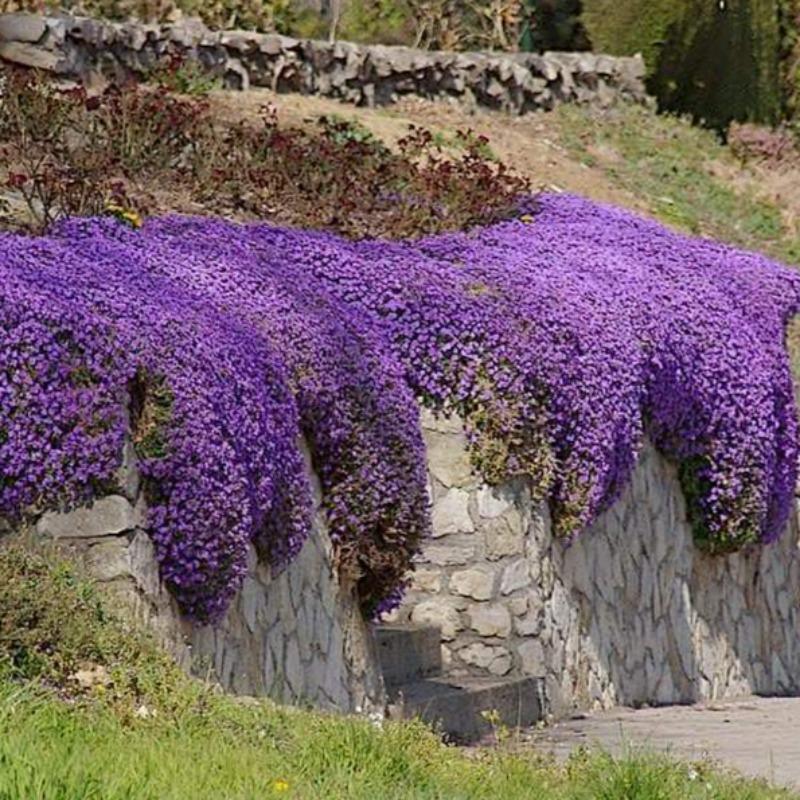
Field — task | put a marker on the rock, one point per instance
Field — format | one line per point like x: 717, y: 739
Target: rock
x: 531, y: 654
x: 477, y: 583
x: 109, y: 560
x: 439, y: 614
x: 451, y: 514
x: 21, y: 28
x: 143, y: 564
x: 426, y: 580
x: 496, y: 660
x: 91, y: 676
x: 516, y: 576
x: 447, y: 555
x: 28, y: 55
x: 494, y: 501
x: 491, y: 620
x: 501, y: 540
x: 448, y: 459
x: 105, y: 517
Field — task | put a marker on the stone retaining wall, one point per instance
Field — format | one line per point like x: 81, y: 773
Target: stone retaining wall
x: 298, y: 637
x: 630, y: 613
x: 367, y: 75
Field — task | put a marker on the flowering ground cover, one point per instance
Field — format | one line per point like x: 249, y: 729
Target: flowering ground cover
x: 561, y: 337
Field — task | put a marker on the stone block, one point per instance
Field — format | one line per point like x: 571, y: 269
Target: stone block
x: 440, y: 614
x: 494, y: 501
x: 451, y: 514
x: 492, y: 620
x: 29, y: 55
x: 426, y: 580
x: 448, y: 459
x: 105, y: 517
x: 21, y: 28
x: 531, y: 656
x: 444, y: 555
x: 493, y: 658
x: 109, y: 560
x: 501, y: 540
x: 477, y: 583
x: 516, y: 576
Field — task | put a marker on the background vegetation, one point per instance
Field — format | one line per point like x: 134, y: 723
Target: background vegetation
x: 717, y: 60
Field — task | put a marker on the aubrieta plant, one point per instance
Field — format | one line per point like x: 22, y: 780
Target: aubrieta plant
x: 562, y: 338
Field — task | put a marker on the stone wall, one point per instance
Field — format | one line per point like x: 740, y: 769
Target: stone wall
x: 630, y: 613
x: 367, y: 75
x: 298, y: 637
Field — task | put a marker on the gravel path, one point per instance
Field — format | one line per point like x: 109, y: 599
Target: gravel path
x: 759, y: 737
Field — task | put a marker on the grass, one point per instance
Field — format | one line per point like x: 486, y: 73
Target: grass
x: 232, y: 750
x: 147, y: 731
x: 686, y: 177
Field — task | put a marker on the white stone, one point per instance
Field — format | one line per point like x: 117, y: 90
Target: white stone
x: 451, y: 514
x: 518, y: 605
x: 444, y: 555
x: 531, y: 654
x: 494, y: 501
x: 109, y: 560
x: 426, y: 580
x: 501, y: 540
x: 441, y: 615
x: 448, y: 459
x: 515, y: 576
x: 105, y: 517
x: 477, y: 583
x: 493, y: 620
x: 497, y: 660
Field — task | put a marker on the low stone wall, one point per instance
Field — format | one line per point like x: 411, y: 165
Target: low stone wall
x: 298, y: 637
x: 367, y: 75
x: 631, y: 613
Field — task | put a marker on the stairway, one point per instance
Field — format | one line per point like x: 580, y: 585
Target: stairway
x: 411, y: 660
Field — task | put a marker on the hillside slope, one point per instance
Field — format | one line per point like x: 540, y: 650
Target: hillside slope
x: 661, y: 166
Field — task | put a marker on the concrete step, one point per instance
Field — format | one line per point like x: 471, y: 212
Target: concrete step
x: 408, y: 653
x: 458, y: 706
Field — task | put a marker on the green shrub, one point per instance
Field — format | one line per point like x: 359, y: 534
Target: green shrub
x: 56, y: 626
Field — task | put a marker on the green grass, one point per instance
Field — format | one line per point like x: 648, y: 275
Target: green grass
x: 227, y: 750
x: 147, y: 731
x: 669, y: 164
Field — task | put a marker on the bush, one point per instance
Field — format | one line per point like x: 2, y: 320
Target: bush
x: 56, y: 625
x: 69, y: 154
x: 757, y: 143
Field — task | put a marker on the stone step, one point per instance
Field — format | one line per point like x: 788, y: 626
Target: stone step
x: 408, y: 653
x: 458, y: 707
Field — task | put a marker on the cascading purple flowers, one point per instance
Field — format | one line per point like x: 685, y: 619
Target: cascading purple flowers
x: 560, y: 338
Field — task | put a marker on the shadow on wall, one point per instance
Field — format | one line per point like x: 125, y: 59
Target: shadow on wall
x: 665, y: 622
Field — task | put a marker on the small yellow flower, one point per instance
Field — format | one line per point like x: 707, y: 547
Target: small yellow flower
x: 126, y: 215
x: 527, y: 218
x: 280, y: 785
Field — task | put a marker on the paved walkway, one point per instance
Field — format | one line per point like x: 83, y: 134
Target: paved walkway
x: 757, y: 736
